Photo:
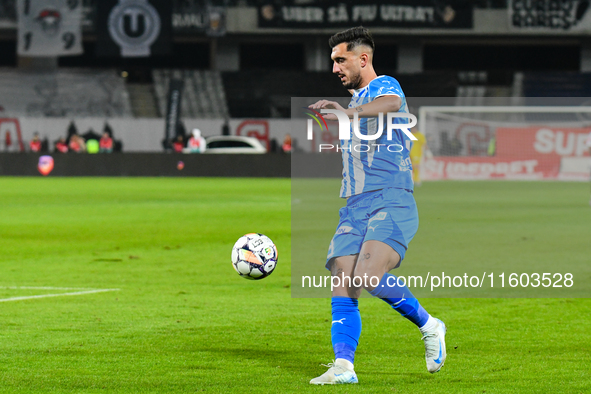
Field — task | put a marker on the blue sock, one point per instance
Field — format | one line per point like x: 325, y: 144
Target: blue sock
x: 346, y: 327
x: 401, y: 299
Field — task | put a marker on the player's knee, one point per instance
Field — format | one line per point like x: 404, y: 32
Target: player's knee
x: 340, y: 266
x: 341, y: 269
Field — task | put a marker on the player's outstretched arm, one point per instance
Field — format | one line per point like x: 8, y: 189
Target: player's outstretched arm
x: 382, y: 105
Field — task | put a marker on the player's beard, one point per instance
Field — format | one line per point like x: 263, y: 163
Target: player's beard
x: 355, y: 82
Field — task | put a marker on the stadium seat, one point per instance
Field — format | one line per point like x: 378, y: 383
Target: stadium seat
x: 66, y: 92
x: 203, y: 93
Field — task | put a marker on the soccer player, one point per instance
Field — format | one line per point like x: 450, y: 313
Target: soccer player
x: 380, y: 217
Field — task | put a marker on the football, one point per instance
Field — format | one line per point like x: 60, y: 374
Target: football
x: 254, y: 256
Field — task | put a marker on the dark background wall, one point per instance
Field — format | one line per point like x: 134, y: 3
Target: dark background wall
x: 149, y: 164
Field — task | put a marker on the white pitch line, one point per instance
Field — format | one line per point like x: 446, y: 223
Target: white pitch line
x: 44, y: 288
x: 56, y: 295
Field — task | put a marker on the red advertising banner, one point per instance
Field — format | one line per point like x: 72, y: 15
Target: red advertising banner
x: 465, y: 168
x: 10, y: 128
x: 542, y: 142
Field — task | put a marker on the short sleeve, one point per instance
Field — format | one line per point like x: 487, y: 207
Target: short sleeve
x: 385, y: 86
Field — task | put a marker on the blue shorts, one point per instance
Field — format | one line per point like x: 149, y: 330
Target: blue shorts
x: 387, y: 215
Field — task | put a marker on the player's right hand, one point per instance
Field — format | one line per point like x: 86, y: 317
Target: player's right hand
x: 327, y: 104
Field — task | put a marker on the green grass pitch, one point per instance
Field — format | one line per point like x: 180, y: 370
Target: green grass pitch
x: 183, y: 321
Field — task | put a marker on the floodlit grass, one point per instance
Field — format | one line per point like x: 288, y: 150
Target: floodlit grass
x: 184, y: 321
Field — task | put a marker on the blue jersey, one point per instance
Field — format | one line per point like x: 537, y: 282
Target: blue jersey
x: 382, y: 163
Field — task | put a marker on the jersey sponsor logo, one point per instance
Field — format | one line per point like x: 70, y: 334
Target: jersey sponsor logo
x: 344, y: 230
x: 405, y: 164
x: 377, y: 217
x: 387, y: 90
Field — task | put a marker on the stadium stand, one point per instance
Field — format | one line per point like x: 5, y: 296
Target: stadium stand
x: 256, y: 94
x: 203, y: 93
x: 207, y: 94
x: 8, y: 10
x: 557, y: 84
x: 268, y: 94
x: 428, y: 83
x: 143, y: 101
x: 475, y: 86
x: 66, y: 92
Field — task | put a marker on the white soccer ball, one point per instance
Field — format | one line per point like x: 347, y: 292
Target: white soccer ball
x: 254, y: 256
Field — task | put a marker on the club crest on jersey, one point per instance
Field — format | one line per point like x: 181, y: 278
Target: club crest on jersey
x: 50, y: 21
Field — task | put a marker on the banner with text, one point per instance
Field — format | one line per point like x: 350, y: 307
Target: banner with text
x: 552, y: 15
x: 542, y: 141
x: 194, y: 18
x: 471, y: 168
x: 402, y: 14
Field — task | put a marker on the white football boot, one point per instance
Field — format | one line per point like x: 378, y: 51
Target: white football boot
x: 434, y: 337
x: 339, y: 372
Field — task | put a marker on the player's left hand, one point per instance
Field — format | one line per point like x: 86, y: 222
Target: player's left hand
x: 327, y: 104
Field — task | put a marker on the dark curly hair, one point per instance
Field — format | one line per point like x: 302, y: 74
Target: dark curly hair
x: 354, y: 37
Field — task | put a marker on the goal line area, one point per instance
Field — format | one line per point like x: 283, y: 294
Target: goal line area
x: 506, y: 142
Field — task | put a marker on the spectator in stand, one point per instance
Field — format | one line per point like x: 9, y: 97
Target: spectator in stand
x: 226, y: 127
x: 72, y: 130
x: 44, y: 145
x: 106, y: 143
x: 179, y: 144
x: 61, y: 146
x: 197, y: 143
x: 181, y: 129
x: 107, y: 129
x: 77, y: 144
x: 286, y: 147
x: 35, y: 144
